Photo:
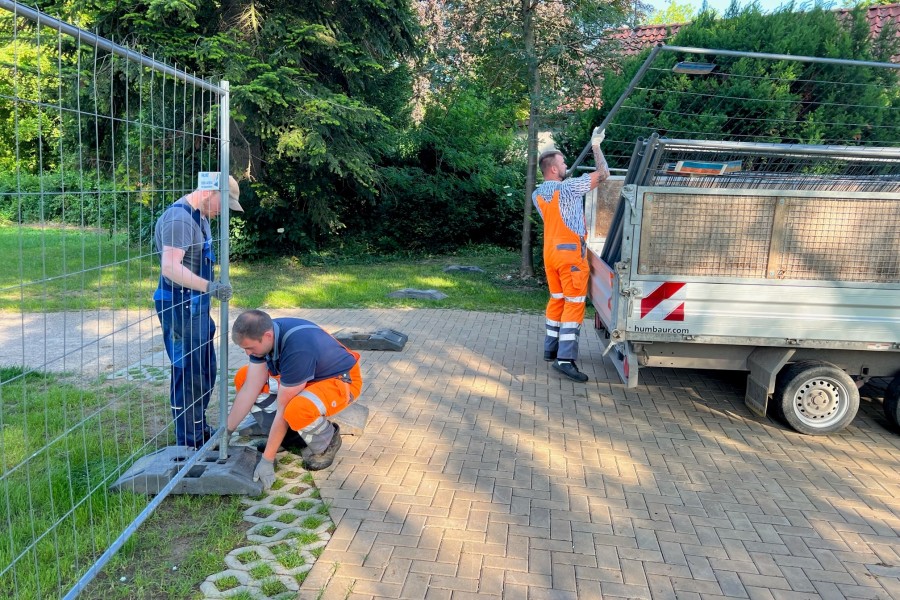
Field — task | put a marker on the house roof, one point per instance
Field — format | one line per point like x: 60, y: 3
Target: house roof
x: 878, y: 16
x: 633, y: 40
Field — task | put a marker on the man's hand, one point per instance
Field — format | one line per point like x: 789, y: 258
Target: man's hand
x: 221, y: 291
x: 597, y: 136
x: 265, y: 472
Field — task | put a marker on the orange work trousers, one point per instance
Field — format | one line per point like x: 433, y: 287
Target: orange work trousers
x: 307, y: 411
x: 567, y: 273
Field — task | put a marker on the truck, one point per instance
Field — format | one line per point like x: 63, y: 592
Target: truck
x: 795, y: 279
x: 778, y: 259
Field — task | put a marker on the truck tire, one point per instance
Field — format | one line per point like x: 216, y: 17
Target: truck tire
x: 816, y: 398
x: 892, y: 403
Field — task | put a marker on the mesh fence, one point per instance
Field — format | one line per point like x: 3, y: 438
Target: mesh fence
x: 702, y: 94
x: 702, y: 236
x: 95, y: 141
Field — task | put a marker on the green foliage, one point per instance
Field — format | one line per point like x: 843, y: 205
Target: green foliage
x: 674, y: 12
x: 81, y: 198
x: 454, y: 182
x: 866, y: 3
x: 760, y: 100
x: 317, y: 91
x: 29, y: 131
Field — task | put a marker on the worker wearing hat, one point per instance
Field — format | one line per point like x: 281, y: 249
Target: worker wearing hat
x: 186, y: 285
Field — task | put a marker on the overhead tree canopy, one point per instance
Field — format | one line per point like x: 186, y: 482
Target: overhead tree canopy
x: 315, y: 86
x: 538, y: 51
x: 674, y: 12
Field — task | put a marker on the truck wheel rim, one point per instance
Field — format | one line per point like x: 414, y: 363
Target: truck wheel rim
x: 820, y: 402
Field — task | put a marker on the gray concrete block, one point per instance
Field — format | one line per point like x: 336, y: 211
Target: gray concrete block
x: 234, y: 475
x: 463, y: 268
x: 382, y: 339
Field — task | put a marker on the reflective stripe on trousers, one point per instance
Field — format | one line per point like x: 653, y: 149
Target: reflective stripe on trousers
x: 566, y: 266
x: 307, y: 413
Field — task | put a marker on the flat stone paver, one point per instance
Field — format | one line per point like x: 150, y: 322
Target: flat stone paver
x: 483, y: 474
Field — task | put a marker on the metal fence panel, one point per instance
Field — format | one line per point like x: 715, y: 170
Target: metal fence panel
x: 95, y: 141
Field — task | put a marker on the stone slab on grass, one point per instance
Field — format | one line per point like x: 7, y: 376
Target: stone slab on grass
x: 418, y: 294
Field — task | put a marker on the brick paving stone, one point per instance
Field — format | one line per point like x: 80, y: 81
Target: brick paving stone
x: 625, y: 591
x: 791, y: 595
x: 757, y: 593
x: 829, y: 591
x: 483, y: 474
x: 818, y: 575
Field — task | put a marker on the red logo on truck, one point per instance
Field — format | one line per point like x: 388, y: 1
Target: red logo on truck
x: 660, y: 302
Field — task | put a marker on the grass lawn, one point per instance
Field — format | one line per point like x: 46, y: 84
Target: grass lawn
x: 60, y: 448
x: 285, y: 283
x: 60, y: 268
x: 182, y: 543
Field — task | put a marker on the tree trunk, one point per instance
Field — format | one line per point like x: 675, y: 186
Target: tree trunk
x: 534, y: 79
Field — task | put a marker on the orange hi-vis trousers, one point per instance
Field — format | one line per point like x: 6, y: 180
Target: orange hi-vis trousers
x: 567, y: 270
x: 308, y: 411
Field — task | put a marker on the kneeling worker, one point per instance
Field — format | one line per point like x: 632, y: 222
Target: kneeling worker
x: 317, y: 378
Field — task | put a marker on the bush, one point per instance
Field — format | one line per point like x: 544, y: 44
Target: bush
x: 457, y: 182
x: 73, y: 198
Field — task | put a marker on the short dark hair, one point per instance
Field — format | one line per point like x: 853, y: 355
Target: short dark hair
x: 251, y: 325
x: 545, y: 158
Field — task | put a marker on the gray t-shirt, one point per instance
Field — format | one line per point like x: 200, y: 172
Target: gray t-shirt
x: 178, y: 229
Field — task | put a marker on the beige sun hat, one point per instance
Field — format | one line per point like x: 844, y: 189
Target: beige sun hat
x: 234, y: 192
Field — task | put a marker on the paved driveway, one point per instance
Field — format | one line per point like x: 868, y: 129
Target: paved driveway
x: 483, y: 474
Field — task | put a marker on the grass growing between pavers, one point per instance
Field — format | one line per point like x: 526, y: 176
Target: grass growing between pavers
x: 58, y: 268
x: 290, y: 529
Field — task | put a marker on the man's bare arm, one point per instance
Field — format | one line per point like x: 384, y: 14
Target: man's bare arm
x: 257, y: 376
x: 601, y: 173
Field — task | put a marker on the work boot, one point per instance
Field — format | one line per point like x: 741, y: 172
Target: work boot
x: 322, y: 460
x: 292, y: 442
x: 549, y: 355
x: 568, y: 368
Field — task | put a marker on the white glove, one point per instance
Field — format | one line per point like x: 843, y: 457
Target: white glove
x: 265, y: 472
x: 597, y: 136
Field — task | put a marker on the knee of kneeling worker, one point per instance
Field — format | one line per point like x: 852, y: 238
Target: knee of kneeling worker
x: 301, y: 413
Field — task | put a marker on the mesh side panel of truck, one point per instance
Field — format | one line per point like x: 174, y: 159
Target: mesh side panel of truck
x: 840, y: 240
x: 770, y: 237
x: 706, y: 235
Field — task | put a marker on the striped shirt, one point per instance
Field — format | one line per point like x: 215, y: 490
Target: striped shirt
x: 571, y: 196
